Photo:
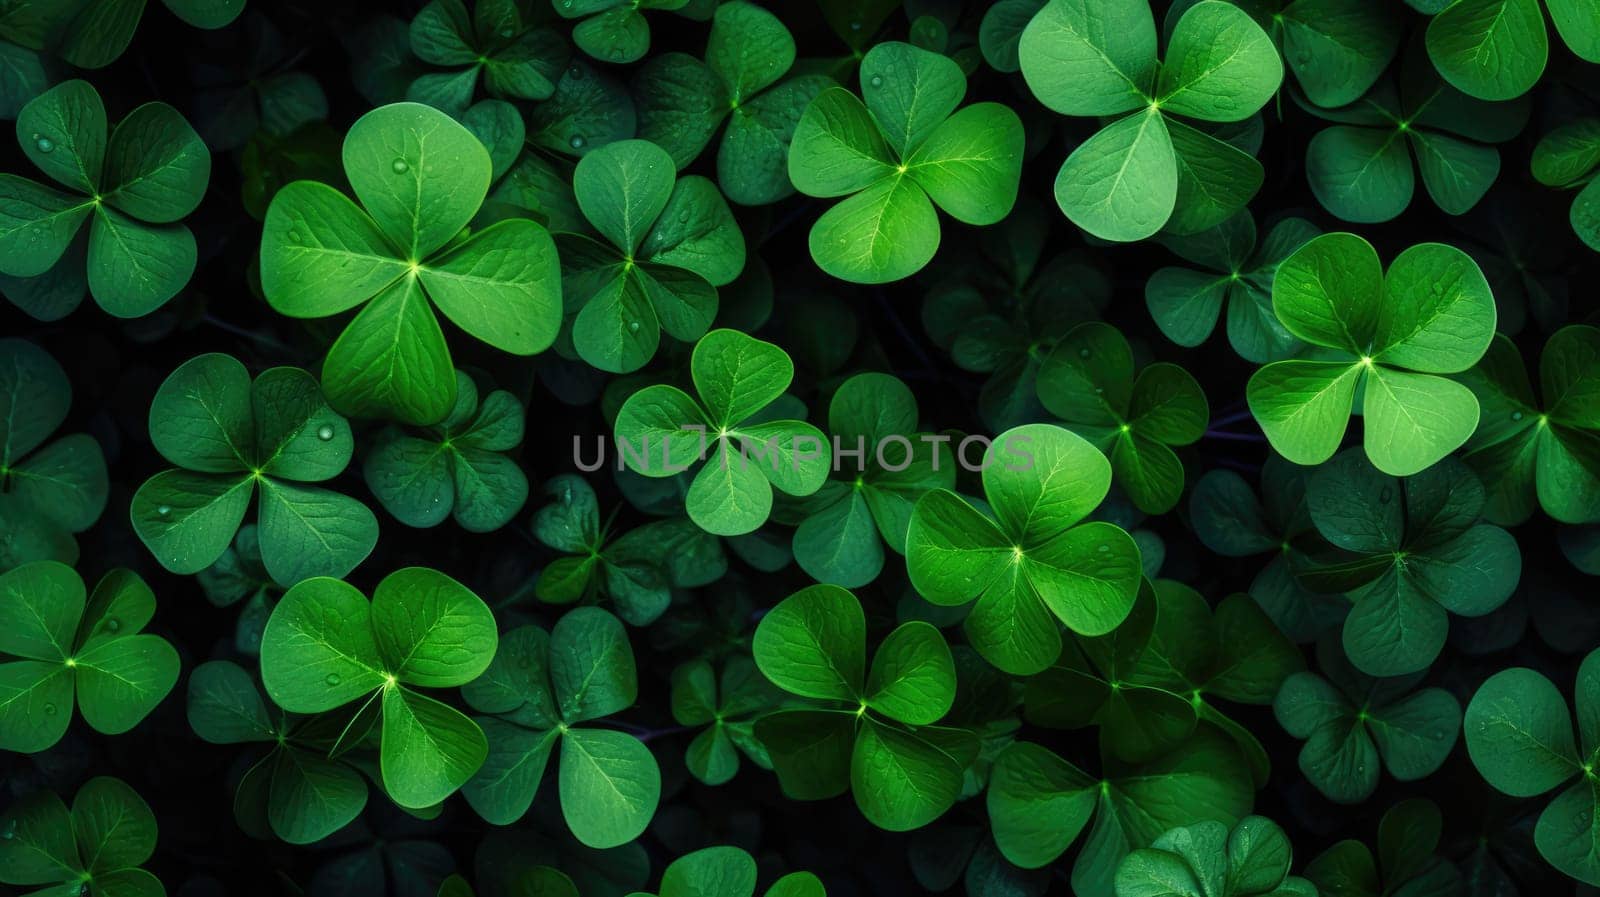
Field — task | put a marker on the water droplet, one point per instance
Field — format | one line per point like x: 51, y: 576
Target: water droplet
x: 400, y: 166
x: 1099, y: 391
x: 45, y: 144
x: 616, y: 53
x: 506, y: 32
x: 49, y: 710
x: 333, y: 679
x: 163, y: 511
x: 566, y: 4
x: 575, y: 72
x: 10, y: 831
x: 1516, y: 415
x: 1103, y: 549
x: 1084, y: 353
x: 325, y: 432
x: 1385, y: 495
x: 111, y: 624
x: 877, y: 81
x: 855, y: 26
x: 577, y: 142
x: 294, y: 236
x: 633, y: 326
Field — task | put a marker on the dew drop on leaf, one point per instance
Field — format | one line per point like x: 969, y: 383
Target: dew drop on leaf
x: 575, y: 72
x: 1516, y: 415
x: 44, y: 144
x: 1103, y: 548
x: 10, y: 831
x: 577, y: 142
x: 112, y: 624
x: 633, y: 326
x: 506, y: 32
x: 49, y: 710
x: 325, y: 432
x: 400, y: 166
x: 855, y: 26
x: 333, y: 679
x: 163, y: 511
x: 1084, y: 353
x: 877, y: 81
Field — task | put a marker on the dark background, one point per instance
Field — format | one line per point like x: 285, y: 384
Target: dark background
x: 115, y: 367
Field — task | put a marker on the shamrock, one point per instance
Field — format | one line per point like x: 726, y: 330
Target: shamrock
x: 92, y: 34
x: 46, y: 495
x: 1406, y: 552
x: 1087, y: 380
x: 1361, y: 170
x: 228, y: 435
x: 1251, y: 860
x: 660, y: 431
x: 1031, y: 563
x: 1231, y: 521
x: 135, y: 187
x: 1569, y: 158
x: 1335, y: 48
x: 615, y: 31
x: 541, y: 689
x: 518, y: 59
x: 1233, y: 652
x: 843, y: 526
x: 1092, y: 684
x: 636, y: 570
x: 1519, y: 735
x: 683, y: 101
x: 905, y: 150
x: 874, y: 735
x: 1390, y: 335
x: 421, y: 177
x: 1528, y: 456
x: 728, y: 872
x: 326, y: 646
x: 1496, y: 49
x: 457, y: 467
x: 1341, y: 716
x: 672, y: 243
x: 1408, y: 834
x: 1147, y: 170
x: 256, y: 89
x: 1039, y: 803
x: 93, y: 849
x: 300, y: 788
x: 1185, y: 303
x: 726, y: 707
x: 66, y: 649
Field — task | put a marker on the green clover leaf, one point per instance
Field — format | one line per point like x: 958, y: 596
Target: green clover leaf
x: 515, y: 58
x: 1251, y: 860
x: 1496, y: 49
x: 95, y: 848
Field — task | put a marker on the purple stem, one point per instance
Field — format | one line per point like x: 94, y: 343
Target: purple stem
x: 1235, y: 437
x: 1231, y: 419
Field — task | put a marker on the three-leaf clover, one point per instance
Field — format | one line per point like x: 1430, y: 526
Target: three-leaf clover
x: 1147, y: 170
x: 1335, y: 48
x: 683, y: 101
x: 326, y: 646
x: 1530, y: 455
x: 95, y: 848
x: 1233, y: 652
x: 230, y: 437
x: 613, y: 31
x: 46, y: 494
x: 517, y: 59
x: 1569, y: 158
x: 877, y: 739
x: 727, y: 707
x: 1406, y: 864
x: 1519, y: 735
x: 669, y: 243
x: 1361, y: 169
x: 1341, y: 716
x: 300, y: 787
x: 1389, y: 336
x: 660, y: 431
x: 1087, y: 380
x: 133, y: 188
x: 1251, y: 860
x: 543, y: 690
x: 1406, y: 551
x: 1039, y: 804
x: 1029, y: 562
x: 1496, y: 49
x: 867, y: 502
x: 458, y: 467
x: 1186, y: 303
x: 728, y: 872
x: 67, y: 649
x: 421, y: 178
x: 896, y: 156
